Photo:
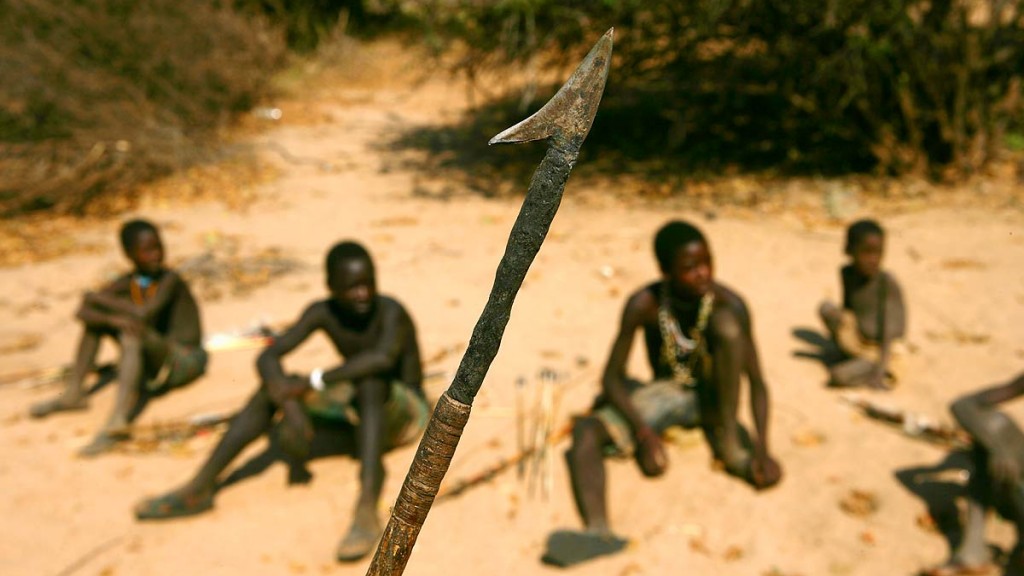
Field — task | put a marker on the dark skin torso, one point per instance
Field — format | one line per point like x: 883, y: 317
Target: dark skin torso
x: 719, y: 396
x: 383, y: 345
x: 862, y: 294
x: 171, y: 312
x: 994, y: 431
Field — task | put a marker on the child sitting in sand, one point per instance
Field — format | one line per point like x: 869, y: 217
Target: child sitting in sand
x: 699, y: 346
x: 377, y: 390
x: 996, y: 482
x: 869, y: 327
x: 155, y: 320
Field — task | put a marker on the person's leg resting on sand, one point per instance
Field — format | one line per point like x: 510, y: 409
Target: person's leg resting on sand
x: 366, y: 527
x: 587, y: 473
x: 196, y: 496
x: 138, y: 352
x: 972, y: 556
x: 73, y: 395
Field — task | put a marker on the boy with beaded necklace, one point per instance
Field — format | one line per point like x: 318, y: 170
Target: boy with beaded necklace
x: 696, y: 379
x: 154, y: 318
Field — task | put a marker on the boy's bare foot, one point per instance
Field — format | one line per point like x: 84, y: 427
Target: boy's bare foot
x: 362, y: 537
x: 177, y: 504
x: 118, y: 428
x: 62, y: 403
x: 102, y: 443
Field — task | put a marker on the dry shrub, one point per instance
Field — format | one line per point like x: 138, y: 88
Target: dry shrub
x: 102, y: 95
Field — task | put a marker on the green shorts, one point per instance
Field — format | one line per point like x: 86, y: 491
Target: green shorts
x: 182, y: 365
x: 662, y: 404
x: 405, y: 413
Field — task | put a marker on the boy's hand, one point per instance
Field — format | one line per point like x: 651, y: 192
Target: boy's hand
x: 766, y: 472
x: 291, y: 387
x: 651, y: 453
x: 877, y: 379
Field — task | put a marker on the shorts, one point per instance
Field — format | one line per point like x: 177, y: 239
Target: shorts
x: 182, y: 365
x: 405, y: 413
x: 661, y: 404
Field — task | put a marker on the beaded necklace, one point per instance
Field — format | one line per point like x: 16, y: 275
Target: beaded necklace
x: 142, y: 288
x: 675, y: 345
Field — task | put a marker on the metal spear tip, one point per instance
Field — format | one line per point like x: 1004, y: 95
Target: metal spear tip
x: 570, y: 113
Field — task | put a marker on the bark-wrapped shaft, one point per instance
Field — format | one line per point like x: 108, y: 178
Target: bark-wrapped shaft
x: 433, y: 457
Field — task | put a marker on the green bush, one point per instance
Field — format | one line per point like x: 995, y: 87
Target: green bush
x: 893, y: 86
x: 100, y: 95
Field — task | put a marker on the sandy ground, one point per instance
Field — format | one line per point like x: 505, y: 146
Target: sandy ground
x: 961, y: 268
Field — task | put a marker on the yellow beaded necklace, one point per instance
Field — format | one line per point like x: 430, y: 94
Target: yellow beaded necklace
x: 675, y: 345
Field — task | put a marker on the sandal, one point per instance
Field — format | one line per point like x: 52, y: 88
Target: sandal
x: 173, y: 505
x: 570, y: 547
x: 102, y: 443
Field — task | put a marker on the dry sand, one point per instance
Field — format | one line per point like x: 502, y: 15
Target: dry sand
x: 961, y: 267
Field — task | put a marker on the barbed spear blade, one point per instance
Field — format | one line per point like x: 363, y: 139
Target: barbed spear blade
x: 565, y: 122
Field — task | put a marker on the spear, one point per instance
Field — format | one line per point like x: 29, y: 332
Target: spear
x: 564, y: 121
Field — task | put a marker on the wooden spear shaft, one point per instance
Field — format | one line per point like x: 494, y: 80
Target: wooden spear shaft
x: 564, y: 121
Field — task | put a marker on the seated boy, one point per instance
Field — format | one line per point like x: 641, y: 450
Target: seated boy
x: 699, y: 346
x: 377, y: 390
x: 155, y: 320
x: 997, y: 480
x: 869, y: 327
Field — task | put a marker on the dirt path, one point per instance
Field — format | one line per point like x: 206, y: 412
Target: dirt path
x: 961, y: 269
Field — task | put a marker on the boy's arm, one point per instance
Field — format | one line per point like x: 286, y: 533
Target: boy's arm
x: 104, y: 308
x: 382, y: 356
x: 892, y: 325
x: 653, y: 460
x: 614, y: 377
x: 112, y: 298
x: 993, y: 430
x: 269, y: 362
x: 766, y: 470
x: 165, y: 292
x: 972, y: 410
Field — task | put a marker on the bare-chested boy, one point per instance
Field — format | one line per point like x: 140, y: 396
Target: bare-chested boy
x: 997, y: 481
x: 699, y: 346
x: 155, y: 320
x: 377, y: 389
x: 867, y: 332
